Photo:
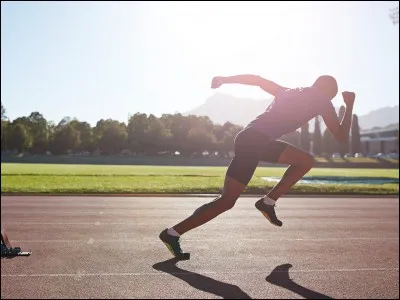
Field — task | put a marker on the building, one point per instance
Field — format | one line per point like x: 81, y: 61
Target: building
x: 384, y: 140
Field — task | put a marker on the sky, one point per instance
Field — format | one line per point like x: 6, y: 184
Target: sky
x: 94, y: 60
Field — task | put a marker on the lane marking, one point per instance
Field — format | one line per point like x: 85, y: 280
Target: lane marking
x: 29, y: 204
x: 90, y: 241
x: 339, y: 212
x: 190, y: 273
x: 136, y: 196
x: 147, y: 240
x: 344, y: 222
x: 75, y: 223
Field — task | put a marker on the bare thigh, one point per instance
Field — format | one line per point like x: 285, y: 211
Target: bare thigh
x: 294, y: 156
x: 232, y: 188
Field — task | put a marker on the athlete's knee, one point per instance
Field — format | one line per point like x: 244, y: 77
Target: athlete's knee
x: 227, y: 202
x: 220, y: 204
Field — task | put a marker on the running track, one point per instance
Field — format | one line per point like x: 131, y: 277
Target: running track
x: 108, y: 247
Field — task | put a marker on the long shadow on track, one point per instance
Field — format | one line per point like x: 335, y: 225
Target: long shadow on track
x: 279, y: 277
x: 201, y: 282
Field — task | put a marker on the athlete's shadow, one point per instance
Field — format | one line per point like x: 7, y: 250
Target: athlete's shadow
x: 280, y: 277
x: 201, y: 282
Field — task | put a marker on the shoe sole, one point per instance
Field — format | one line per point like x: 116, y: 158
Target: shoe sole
x: 183, y: 257
x: 169, y: 248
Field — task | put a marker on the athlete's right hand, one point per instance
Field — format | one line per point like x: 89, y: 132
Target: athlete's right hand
x: 349, y: 97
x: 217, y: 82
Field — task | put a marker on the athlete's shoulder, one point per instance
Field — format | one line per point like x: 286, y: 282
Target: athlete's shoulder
x: 310, y: 92
x: 306, y: 92
x: 293, y: 92
x: 287, y: 91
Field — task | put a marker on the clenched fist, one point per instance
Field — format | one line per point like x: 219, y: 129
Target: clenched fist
x: 348, y: 97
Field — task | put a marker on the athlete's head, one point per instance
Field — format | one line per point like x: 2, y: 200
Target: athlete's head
x: 328, y: 85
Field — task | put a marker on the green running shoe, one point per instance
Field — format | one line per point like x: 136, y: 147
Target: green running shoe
x: 173, y: 245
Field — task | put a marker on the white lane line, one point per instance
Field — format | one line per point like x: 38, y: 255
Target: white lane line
x: 76, y: 223
x: 344, y: 222
x: 393, y: 214
x: 57, y: 205
x: 43, y: 212
x: 147, y: 240
x: 189, y: 273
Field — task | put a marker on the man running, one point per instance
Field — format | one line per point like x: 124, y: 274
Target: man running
x: 258, y: 141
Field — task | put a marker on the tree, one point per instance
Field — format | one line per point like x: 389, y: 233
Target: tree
x: 3, y: 112
x: 147, y: 134
x: 137, y: 129
x: 344, y: 147
x: 157, y: 136
x: 86, y: 135
x: 111, y: 136
x: 70, y: 137
x: 305, y: 137
x: 65, y: 138
x: 18, y: 137
x: 4, y: 134
x: 198, y: 141
x: 4, y: 128
x: 39, y: 132
x: 328, y: 143
x: 52, y: 128
x: 317, y: 138
x: 179, y: 127
x: 224, y: 137
x: 355, y: 135
x: 200, y: 135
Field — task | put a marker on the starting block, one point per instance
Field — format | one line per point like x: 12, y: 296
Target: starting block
x: 7, y: 250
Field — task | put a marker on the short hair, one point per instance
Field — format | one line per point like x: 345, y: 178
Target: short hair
x: 327, y: 84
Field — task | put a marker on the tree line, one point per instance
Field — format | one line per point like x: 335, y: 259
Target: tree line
x: 150, y: 135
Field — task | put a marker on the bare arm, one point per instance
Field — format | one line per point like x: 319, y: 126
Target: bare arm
x: 247, y: 79
x: 340, y: 130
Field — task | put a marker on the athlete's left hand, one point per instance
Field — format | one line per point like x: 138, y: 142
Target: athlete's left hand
x: 348, y: 98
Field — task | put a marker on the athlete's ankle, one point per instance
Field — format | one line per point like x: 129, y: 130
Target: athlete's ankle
x: 268, y: 200
x: 172, y: 231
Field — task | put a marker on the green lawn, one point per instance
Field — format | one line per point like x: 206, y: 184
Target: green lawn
x: 57, y: 178
x: 363, y: 160
x: 354, y: 160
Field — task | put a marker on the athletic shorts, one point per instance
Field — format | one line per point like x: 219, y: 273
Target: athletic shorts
x: 250, y: 148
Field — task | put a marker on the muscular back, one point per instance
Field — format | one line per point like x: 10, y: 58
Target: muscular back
x: 291, y: 109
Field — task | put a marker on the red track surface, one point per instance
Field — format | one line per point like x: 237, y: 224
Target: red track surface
x: 99, y: 247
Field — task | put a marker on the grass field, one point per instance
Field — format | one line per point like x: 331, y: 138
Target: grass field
x: 77, y: 179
